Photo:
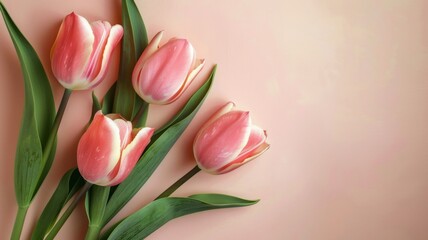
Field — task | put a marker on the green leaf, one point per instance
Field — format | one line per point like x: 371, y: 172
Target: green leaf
x: 142, y: 223
x: 37, y: 119
x: 95, y: 104
x: 70, y: 183
x: 108, y: 100
x: 140, y: 117
x: 156, y: 152
x: 133, y: 43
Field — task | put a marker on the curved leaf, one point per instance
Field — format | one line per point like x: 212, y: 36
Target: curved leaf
x: 142, y: 223
x: 107, y: 105
x: 70, y: 183
x: 133, y: 43
x: 37, y: 119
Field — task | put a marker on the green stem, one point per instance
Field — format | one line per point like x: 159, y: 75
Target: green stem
x: 47, y: 151
x: 19, y: 222
x: 55, y: 126
x: 97, y: 201
x: 93, y: 232
x: 179, y: 182
x: 67, y: 213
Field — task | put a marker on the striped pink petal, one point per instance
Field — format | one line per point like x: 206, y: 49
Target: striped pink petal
x: 130, y: 155
x: 256, y: 145
x: 101, y: 32
x: 114, y: 36
x: 189, y: 79
x: 222, y: 141
x: 164, y: 72
x: 223, y: 110
x: 125, y: 131
x: 98, y: 150
x: 148, y: 51
x: 151, y: 48
x: 71, y: 50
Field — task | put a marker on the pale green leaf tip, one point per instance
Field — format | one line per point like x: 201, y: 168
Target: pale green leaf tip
x: 240, y: 201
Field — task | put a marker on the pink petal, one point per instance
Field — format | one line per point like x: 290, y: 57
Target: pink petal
x: 255, y: 147
x: 71, y: 50
x: 220, y: 112
x: 189, y: 79
x: 116, y: 33
x: 99, y: 149
x: 125, y: 130
x: 130, y: 155
x: 148, y: 51
x: 221, y: 142
x: 101, y: 32
x: 165, y: 71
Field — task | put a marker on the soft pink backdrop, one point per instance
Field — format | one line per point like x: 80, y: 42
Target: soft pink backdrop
x: 341, y: 87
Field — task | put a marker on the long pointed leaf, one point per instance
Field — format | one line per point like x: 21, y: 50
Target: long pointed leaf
x: 153, y: 216
x: 155, y: 153
x: 107, y: 105
x: 133, y: 43
x: 70, y: 183
x: 37, y: 119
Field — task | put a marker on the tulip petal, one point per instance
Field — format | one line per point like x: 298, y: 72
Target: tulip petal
x: 222, y: 141
x: 148, y: 51
x: 255, y: 147
x: 71, y: 50
x: 189, y: 79
x: 164, y: 73
x: 114, y: 37
x: 130, y: 155
x: 125, y: 130
x: 98, y: 150
x: 101, y: 32
x: 151, y: 48
x: 223, y: 110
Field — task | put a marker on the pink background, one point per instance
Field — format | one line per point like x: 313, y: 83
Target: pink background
x: 340, y: 86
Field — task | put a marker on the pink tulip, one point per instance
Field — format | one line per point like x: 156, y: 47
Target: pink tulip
x: 110, y: 148
x: 228, y: 140
x: 162, y: 74
x: 81, y: 51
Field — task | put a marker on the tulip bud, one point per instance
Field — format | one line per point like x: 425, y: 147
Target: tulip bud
x: 162, y: 74
x: 228, y: 140
x: 110, y: 148
x: 81, y: 51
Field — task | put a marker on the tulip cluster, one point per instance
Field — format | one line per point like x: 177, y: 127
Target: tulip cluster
x: 112, y: 145
x: 110, y: 148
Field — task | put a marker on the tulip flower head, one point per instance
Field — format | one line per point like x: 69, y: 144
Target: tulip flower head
x: 228, y: 140
x: 110, y: 148
x: 162, y: 74
x: 82, y: 50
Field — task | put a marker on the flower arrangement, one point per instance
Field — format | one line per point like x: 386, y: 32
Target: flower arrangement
x: 118, y: 152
